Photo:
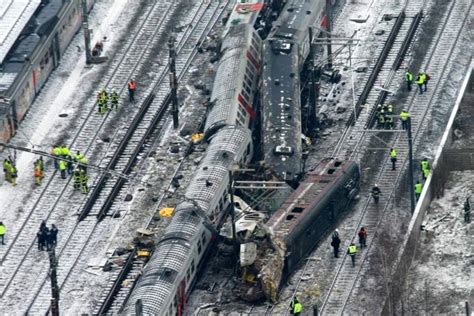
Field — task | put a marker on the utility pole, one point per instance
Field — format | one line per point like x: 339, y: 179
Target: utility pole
x: 53, y: 263
x: 410, y: 157
x: 87, y: 34
x: 328, y: 32
x: 173, y: 83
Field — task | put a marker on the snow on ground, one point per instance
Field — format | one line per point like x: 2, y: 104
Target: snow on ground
x: 442, y: 274
x: 42, y: 125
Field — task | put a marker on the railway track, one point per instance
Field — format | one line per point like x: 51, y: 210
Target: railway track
x: 371, y: 215
x: 57, y: 195
x: 148, y: 117
x: 117, y: 291
x: 55, y: 185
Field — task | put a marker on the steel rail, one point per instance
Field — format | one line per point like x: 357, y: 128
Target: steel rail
x: 383, y: 172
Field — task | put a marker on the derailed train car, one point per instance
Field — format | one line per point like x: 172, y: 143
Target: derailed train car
x: 285, y: 52
x: 171, y: 271
x: 298, y: 225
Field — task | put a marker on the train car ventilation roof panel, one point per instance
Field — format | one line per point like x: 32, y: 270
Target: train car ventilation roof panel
x: 14, y: 15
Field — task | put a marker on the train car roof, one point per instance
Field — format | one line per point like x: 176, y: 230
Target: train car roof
x: 245, y: 13
x: 296, y: 17
x: 281, y: 100
x: 317, y: 183
x: 25, y: 23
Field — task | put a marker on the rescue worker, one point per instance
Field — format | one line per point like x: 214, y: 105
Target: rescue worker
x: 105, y: 100
x: 404, y: 116
x: 426, y: 173
x: 40, y: 163
x: 351, y: 251
x: 77, y: 177
x: 389, y: 121
x: 62, y: 168
x: 114, y: 100
x: 409, y: 79
x: 54, y: 235
x: 420, y: 82
x: 56, y: 153
x: 381, y: 119
x: 65, y: 152
x: 38, y: 172
x: 427, y: 78
x: 375, y: 193
x: 335, y: 243
x: 393, y: 158
x: 362, y: 237
x: 295, y: 306
x: 7, y: 169
x: 13, y: 172
x: 83, y: 164
x: 84, y: 178
x: 3, y: 230
x: 132, y: 87
x: 467, y: 211
x: 425, y: 164
x: 418, y: 189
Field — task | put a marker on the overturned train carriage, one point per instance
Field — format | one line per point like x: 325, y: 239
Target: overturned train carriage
x: 168, y: 276
x: 285, y: 53
x: 304, y: 218
x: 235, y: 84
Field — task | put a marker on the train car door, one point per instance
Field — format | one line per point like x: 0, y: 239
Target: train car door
x: 56, y: 53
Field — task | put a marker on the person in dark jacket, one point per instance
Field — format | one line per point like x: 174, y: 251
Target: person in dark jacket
x: 54, y: 235
x: 40, y: 236
x: 48, y: 239
x: 362, y: 237
x: 335, y: 243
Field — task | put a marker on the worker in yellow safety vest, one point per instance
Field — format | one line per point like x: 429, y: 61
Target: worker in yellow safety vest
x: 295, y: 307
x: 418, y: 189
x: 352, y: 250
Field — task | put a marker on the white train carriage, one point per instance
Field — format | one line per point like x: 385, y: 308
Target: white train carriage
x: 169, y: 274
x: 244, y: 12
x: 209, y: 187
x: 236, y: 80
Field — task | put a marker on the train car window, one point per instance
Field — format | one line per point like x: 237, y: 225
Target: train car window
x: 337, y: 163
x: 297, y: 210
x: 331, y: 171
x: 203, y: 238
x: 199, y: 248
x: 188, y: 276
x: 192, y: 266
x: 290, y: 217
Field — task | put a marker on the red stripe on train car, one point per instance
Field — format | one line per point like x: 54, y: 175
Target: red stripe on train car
x: 324, y: 21
x: 253, y: 60
x: 247, y: 106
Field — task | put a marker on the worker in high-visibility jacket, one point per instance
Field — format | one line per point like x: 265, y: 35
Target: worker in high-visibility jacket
x: 418, y: 189
x: 295, y: 306
x: 3, y: 231
x: 393, y: 157
x: 77, y: 177
x: 84, y: 178
x: 404, y: 116
x: 62, y: 168
x: 351, y: 251
x: 409, y: 79
x: 38, y: 172
x: 114, y: 100
x: 425, y: 164
x: 420, y: 81
x: 56, y: 153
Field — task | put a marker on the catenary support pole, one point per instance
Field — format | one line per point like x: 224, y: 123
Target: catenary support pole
x: 87, y: 34
x: 173, y: 83
x: 328, y: 32
x: 54, y: 283
x: 410, y: 157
